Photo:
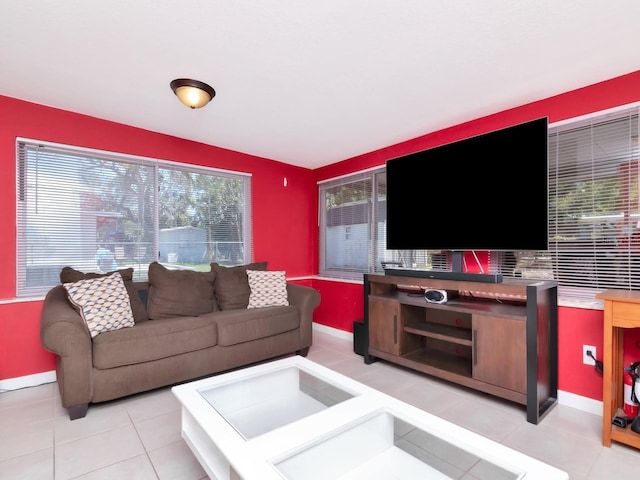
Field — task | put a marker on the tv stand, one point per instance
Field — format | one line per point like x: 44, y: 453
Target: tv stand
x: 498, y: 338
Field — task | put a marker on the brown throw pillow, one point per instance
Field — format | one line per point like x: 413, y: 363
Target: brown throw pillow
x: 232, y: 285
x: 179, y: 292
x: 70, y: 275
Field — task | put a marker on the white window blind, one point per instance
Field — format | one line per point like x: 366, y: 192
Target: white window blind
x: 98, y: 211
x: 346, y: 213
x: 594, y: 210
x: 594, y: 203
x: 201, y: 217
x: 353, y: 229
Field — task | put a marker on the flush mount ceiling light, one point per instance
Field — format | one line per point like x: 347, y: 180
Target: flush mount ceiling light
x: 193, y: 93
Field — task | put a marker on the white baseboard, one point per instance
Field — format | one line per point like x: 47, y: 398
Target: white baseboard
x: 564, y: 398
x: 27, y: 381
x: 579, y: 402
x: 333, y: 331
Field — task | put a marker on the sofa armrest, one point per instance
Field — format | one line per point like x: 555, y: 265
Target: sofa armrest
x: 64, y: 332
x: 307, y: 300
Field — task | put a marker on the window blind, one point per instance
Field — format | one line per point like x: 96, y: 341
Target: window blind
x: 594, y: 209
x: 346, y: 213
x: 353, y: 216
x: 99, y: 211
x: 594, y: 203
x: 594, y: 214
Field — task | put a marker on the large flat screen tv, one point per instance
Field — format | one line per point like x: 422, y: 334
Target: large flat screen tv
x: 488, y: 192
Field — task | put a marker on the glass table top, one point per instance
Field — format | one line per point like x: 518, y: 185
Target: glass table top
x: 253, y: 406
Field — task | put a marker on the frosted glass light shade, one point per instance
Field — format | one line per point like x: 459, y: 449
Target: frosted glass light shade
x: 193, y: 93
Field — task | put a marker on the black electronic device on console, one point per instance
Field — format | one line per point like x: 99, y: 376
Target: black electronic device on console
x: 446, y: 275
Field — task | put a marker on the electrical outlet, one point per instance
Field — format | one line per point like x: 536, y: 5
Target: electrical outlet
x: 586, y: 359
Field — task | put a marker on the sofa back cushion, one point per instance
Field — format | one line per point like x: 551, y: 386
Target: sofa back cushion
x: 232, y: 285
x: 70, y: 275
x: 179, y: 292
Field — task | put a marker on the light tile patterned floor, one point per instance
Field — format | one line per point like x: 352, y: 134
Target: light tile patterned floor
x: 139, y: 437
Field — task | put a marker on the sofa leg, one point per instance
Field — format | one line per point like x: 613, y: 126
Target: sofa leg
x: 78, y: 411
x: 304, y: 352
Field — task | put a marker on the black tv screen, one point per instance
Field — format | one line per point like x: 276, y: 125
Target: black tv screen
x: 488, y: 192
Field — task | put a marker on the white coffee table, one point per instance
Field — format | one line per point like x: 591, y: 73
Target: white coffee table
x: 295, y: 419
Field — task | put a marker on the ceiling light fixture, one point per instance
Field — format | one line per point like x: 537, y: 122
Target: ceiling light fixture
x: 193, y: 93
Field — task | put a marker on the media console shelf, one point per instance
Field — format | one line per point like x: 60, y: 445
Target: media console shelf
x: 498, y: 338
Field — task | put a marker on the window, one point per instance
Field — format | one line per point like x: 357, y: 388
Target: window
x: 594, y: 214
x: 98, y: 211
x: 345, y: 218
x: 594, y: 209
x: 594, y: 203
x: 353, y: 225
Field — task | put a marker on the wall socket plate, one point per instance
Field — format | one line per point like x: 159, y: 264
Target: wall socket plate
x: 586, y: 359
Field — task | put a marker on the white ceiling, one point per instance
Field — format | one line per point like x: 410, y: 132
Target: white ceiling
x: 307, y: 82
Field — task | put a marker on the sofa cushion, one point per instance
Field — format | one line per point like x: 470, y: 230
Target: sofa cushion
x: 68, y: 275
x: 153, y: 340
x: 268, y: 289
x: 179, y: 292
x: 103, y: 303
x: 232, y: 286
x: 242, y: 325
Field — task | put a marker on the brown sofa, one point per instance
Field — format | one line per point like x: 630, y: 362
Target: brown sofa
x: 169, y: 348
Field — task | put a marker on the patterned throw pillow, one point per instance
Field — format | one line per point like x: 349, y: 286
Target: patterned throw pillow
x: 268, y: 289
x: 103, y: 303
x: 68, y: 275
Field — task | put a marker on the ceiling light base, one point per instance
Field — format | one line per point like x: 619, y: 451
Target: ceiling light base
x: 192, y: 93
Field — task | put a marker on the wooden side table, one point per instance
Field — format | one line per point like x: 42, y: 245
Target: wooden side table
x: 621, y: 310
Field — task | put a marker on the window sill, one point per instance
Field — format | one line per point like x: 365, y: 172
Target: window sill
x: 7, y: 301
x: 590, y: 303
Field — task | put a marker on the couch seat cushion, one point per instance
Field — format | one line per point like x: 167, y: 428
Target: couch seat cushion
x: 148, y: 341
x: 238, y: 326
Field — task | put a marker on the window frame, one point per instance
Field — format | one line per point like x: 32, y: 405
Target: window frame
x: 23, y: 290
x: 376, y: 252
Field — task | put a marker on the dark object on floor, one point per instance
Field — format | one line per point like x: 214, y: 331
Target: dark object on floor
x: 623, y: 421
x: 359, y: 338
x: 635, y: 425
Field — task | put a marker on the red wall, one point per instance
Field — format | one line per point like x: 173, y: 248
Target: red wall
x: 284, y: 218
x: 341, y: 304
x: 281, y: 215
x: 577, y: 327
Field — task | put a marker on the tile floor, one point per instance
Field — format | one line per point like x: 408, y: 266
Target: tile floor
x: 139, y: 437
